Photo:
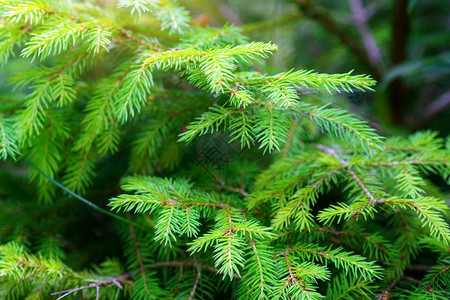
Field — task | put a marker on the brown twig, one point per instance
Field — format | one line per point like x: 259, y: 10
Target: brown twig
x: 117, y: 281
x: 358, y: 180
x: 138, y: 253
x: 386, y: 294
x: 213, y: 205
x: 331, y: 152
x: 23, y: 263
x: 430, y: 286
x: 291, y: 274
x: 362, y: 186
x: 293, y: 279
x: 230, y: 237
x: 197, y: 280
x: 123, y: 33
x: 233, y: 189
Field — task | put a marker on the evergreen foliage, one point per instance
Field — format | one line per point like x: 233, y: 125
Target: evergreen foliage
x: 135, y: 93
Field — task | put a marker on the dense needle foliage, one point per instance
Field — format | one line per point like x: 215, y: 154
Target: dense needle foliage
x: 208, y: 176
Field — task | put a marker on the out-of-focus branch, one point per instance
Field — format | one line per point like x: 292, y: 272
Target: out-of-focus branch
x: 433, y: 109
x: 437, y: 106
x: 360, y: 19
x: 229, y: 13
x: 400, y: 33
x: 316, y: 12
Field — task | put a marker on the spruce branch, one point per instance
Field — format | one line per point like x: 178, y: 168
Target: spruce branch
x: 18, y: 264
x: 54, y: 41
x: 342, y: 125
x: 9, y: 143
x: 30, y: 12
x: 271, y: 129
x: 373, y: 244
x: 139, y: 6
x: 437, y: 272
x: 260, y: 263
x: 408, y: 245
x: 429, y: 211
x: 293, y: 285
x: 228, y: 242
x: 109, y: 95
x: 133, y: 92
x: 354, y: 263
x: 208, y: 122
x: 174, y: 18
x: 342, y: 287
x: 309, y: 79
x: 153, y: 192
x: 178, y: 58
x: 13, y: 35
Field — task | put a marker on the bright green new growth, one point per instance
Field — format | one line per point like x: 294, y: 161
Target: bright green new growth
x: 102, y: 97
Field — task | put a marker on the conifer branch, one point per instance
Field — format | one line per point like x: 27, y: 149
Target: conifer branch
x: 344, y: 126
x: 110, y: 94
x: 260, y: 269
x: 439, y: 273
x: 139, y: 6
x: 31, y: 12
x: 343, y: 260
x: 428, y: 210
x: 344, y: 288
x: 9, y: 145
